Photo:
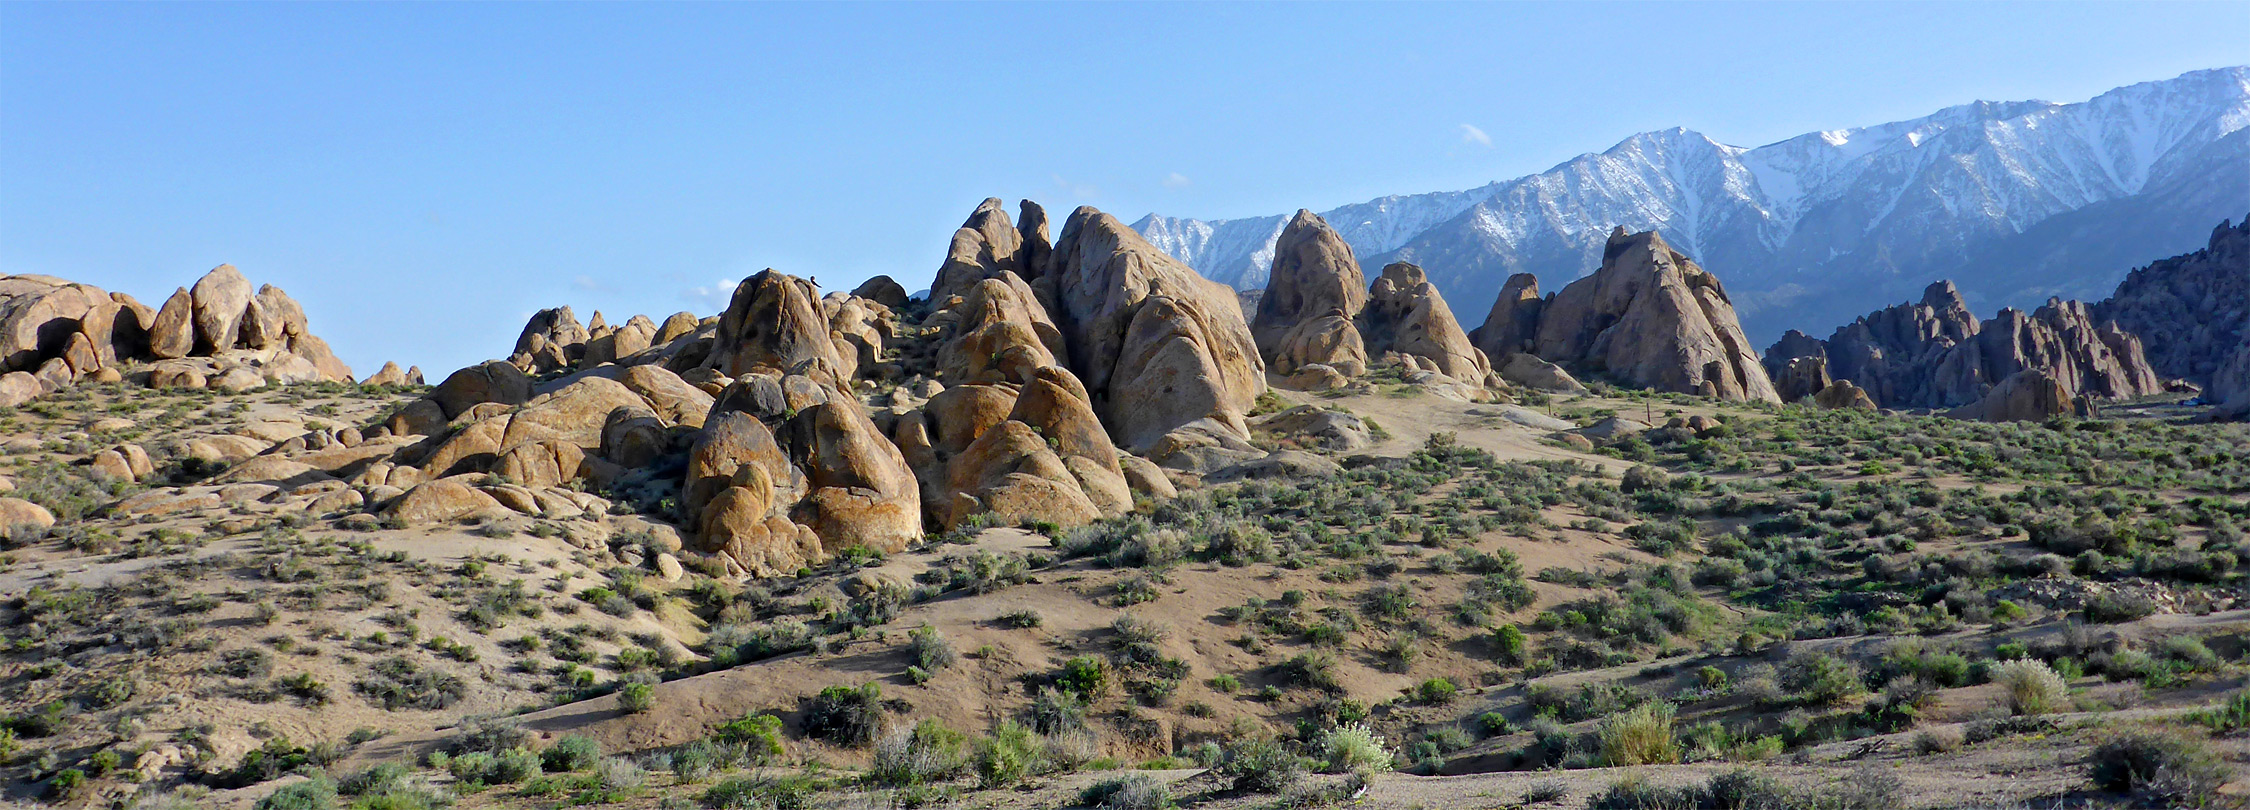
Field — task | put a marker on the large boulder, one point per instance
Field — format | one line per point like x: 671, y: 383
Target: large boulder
x: 1536, y: 374
x: 493, y: 381
x: 552, y: 339
x: 17, y: 512
x: 882, y: 290
x: 39, y: 315
x: 1312, y: 294
x: 1158, y: 347
x: 442, y: 501
x: 172, y: 335
x: 998, y: 333
x: 2026, y: 396
x: 222, y: 297
x: 1405, y: 314
x: 1652, y: 318
x: 775, y: 325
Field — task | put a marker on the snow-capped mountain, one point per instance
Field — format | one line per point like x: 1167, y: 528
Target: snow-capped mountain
x: 2014, y: 201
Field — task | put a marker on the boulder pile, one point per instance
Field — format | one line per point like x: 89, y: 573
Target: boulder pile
x: 221, y: 333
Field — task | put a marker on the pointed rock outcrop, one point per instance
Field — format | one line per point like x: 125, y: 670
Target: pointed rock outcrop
x: 985, y: 245
x: 1159, y: 347
x: 1313, y: 293
x: 2191, y: 312
x: 775, y: 324
x: 1653, y: 318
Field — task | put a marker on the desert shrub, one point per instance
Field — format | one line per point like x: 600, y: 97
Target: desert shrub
x: 397, y: 683
x: 1084, y: 676
x: 1132, y: 792
x: 1634, y: 792
x: 1008, y: 756
x: 636, y: 697
x: 1053, y: 711
x: 846, y: 715
x: 2161, y: 765
x: 1641, y: 736
x: 1355, y: 749
x: 929, y: 649
x: 1316, y: 670
x: 927, y: 752
x: 2229, y: 717
x: 316, y: 793
x: 789, y: 792
x: 1261, y: 765
x: 1821, y: 679
x: 487, y: 735
x: 2117, y: 608
x: 1508, y: 645
x: 1435, y: 692
x: 573, y: 752
x: 2032, y: 687
x: 757, y: 735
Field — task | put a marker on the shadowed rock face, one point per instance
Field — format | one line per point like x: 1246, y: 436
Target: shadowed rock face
x: 1513, y: 323
x: 1654, y: 319
x: 1314, y: 292
x: 2191, y: 312
x: 1934, y: 354
x: 1157, y: 346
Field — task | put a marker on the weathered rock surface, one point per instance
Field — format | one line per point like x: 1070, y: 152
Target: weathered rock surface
x: 1513, y: 324
x: 1158, y: 346
x: 985, y: 246
x: 2191, y: 312
x: 221, y: 298
x: 2026, y: 396
x: 1314, y: 292
x: 882, y: 290
x: 442, y: 501
x: 1405, y: 314
x: 1652, y: 318
x: 775, y: 325
x: 1531, y: 372
x: 1934, y: 354
x: 491, y: 382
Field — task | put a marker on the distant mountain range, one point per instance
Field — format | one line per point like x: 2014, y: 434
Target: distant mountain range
x: 2014, y: 201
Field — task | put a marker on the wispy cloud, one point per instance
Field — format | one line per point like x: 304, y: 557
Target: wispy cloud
x: 712, y: 298
x: 1177, y: 180
x: 1079, y: 190
x: 1471, y: 134
x: 588, y: 283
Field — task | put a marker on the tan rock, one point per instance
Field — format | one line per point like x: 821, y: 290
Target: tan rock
x: 38, y: 316
x: 237, y: 379
x: 17, y: 512
x: 158, y: 502
x: 543, y: 463
x: 1653, y: 318
x: 2026, y: 396
x: 19, y: 387
x: 222, y: 297
x: 775, y: 325
x: 680, y: 325
x: 491, y: 382
x: 862, y: 493
x: 1316, y: 377
x: 172, y: 334
x: 422, y: 417
x: 1159, y: 346
x: 882, y: 290
x: 389, y: 374
x: 441, y: 501
x: 1000, y: 334
x: 1144, y: 477
x: 670, y: 397
x: 985, y: 246
x: 634, y: 437
x: 1843, y: 395
x: 1406, y: 314
x: 1312, y: 294
x: 1539, y: 375
x: 224, y: 449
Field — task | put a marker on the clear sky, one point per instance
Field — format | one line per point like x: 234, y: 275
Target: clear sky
x: 424, y: 175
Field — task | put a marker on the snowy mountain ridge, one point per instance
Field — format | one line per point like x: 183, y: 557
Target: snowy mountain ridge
x: 1828, y: 224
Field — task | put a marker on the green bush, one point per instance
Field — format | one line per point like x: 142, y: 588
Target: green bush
x: 1641, y: 736
x: 846, y: 715
x: 636, y: 697
x: 791, y: 792
x: 927, y: 752
x: 1084, y: 676
x: 2032, y: 687
x: 1260, y: 765
x: 571, y: 753
x: 1435, y: 692
x: 1355, y: 749
x: 1008, y: 756
x: 316, y: 793
x: 758, y: 735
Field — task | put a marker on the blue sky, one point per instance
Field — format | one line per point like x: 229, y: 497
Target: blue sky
x: 422, y: 176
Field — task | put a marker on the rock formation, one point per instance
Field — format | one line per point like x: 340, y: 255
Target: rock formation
x: 1934, y: 354
x: 1406, y: 315
x: 1160, y: 349
x: 1649, y: 317
x: 775, y: 324
x: 54, y: 333
x: 1312, y: 297
x: 2191, y: 312
x: 1513, y: 324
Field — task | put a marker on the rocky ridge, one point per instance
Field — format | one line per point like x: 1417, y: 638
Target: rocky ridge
x: 1934, y: 354
x: 2192, y: 313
